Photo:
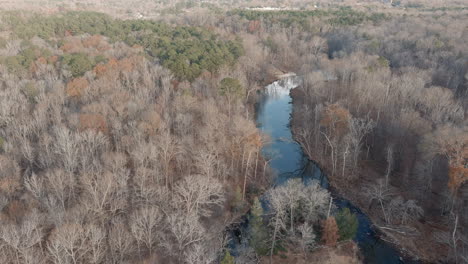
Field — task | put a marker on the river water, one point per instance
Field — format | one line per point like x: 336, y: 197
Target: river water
x: 287, y: 160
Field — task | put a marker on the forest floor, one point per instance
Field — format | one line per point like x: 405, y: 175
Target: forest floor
x: 344, y: 253
x: 415, y: 239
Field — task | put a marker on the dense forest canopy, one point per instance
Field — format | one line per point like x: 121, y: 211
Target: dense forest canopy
x: 187, y: 51
x: 129, y: 136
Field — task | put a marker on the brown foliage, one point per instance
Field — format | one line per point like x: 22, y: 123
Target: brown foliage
x: 76, y: 87
x: 52, y: 59
x: 457, y: 176
x: 114, y: 67
x: 94, y: 122
x: 100, y: 70
x: 41, y: 60
x: 97, y: 42
x: 254, y: 139
x: 451, y: 142
x: 330, y: 232
x: 72, y: 46
x: 92, y: 42
x: 335, y: 120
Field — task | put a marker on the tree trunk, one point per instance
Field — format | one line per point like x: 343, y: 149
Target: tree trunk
x: 256, y: 165
x: 245, y: 176
x: 383, y: 210
x: 454, y: 239
x: 345, y: 153
x: 274, y: 238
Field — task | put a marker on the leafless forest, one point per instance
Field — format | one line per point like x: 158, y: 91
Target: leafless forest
x: 127, y: 131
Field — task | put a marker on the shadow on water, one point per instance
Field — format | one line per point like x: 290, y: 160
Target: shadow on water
x: 273, y: 115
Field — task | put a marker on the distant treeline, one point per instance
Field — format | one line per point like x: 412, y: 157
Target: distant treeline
x: 339, y: 17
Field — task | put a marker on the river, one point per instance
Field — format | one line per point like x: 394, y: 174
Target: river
x: 287, y: 160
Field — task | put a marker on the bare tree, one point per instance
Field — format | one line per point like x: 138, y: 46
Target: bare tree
x: 439, y: 103
x: 104, y: 193
x: 68, y: 244
x: 279, y: 216
x: 285, y: 201
x: 61, y: 184
x: 198, y: 194
x: 358, y: 129
x: 390, y: 163
x: 97, y: 243
x: 66, y: 148
x: 206, y: 251
x: 168, y: 150
x: 379, y: 192
x: 121, y: 241
x: 185, y: 231
x: 403, y: 211
x: 145, y: 223
x: 307, y: 237
x: 206, y: 163
x: 21, y: 240
x: 315, y: 200
x: 451, y: 238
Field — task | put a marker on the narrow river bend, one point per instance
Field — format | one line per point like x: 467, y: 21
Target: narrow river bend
x: 287, y: 160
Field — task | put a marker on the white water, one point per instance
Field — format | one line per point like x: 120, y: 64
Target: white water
x: 281, y: 88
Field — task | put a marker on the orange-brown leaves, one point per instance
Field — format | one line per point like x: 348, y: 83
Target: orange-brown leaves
x: 72, y: 46
x: 330, y: 234
x: 92, y: 45
x: 452, y: 143
x: 458, y: 162
x: 100, y: 70
x: 254, y: 139
x: 175, y: 84
x: 335, y: 120
x: 93, y: 41
x: 97, y: 42
x: 94, y: 122
x: 53, y: 59
x: 76, y: 87
x: 128, y: 64
x: 41, y: 60
x: 457, y: 176
x: 114, y: 67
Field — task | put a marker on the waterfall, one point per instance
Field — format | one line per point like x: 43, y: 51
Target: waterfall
x: 282, y: 87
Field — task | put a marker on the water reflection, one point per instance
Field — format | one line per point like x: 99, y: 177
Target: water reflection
x: 288, y: 161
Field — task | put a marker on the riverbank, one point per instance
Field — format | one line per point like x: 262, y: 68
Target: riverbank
x: 415, y: 240
x: 346, y: 252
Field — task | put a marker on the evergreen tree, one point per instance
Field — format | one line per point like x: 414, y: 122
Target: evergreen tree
x: 258, y: 230
x: 78, y: 63
x: 227, y: 259
x: 231, y: 87
x: 347, y: 224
